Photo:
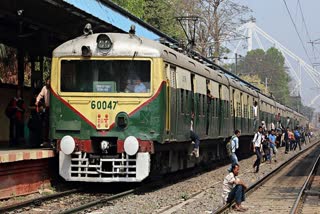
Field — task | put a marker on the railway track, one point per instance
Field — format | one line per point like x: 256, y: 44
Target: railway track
x: 308, y: 198
x: 36, y: 202
x: 66, y: 202
x: 277, y: 191
x: 84, y: 200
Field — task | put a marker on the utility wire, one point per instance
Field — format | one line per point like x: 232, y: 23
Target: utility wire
x: 295, y: 27
x: 303, y: 20
x: 307, y: 32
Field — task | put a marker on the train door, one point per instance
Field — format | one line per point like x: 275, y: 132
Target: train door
x: 220, y: 111
x: 248, y: 107
x: 241, y: 113
x: 233, y: 112
x: 209, y: 103
x: 171, y: 102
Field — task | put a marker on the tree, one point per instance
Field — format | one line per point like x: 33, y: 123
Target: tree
x: 219, y: 21
x: 159, y: 14
x: 256, y: 81
x: 270, y: 67
x: 135, y: 7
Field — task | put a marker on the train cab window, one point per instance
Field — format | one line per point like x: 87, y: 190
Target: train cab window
x: 112, y: 76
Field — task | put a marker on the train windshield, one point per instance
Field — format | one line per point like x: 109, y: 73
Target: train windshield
x: 111, y: 76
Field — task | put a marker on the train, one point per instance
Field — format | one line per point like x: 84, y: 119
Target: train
x: 121, y: 105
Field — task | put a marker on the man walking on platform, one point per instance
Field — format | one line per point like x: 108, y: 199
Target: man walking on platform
x: 45, y: 94
x: 257, y: 146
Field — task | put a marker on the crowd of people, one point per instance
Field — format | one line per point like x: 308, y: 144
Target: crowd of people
x: 265, y: 145
x: 37, y: 120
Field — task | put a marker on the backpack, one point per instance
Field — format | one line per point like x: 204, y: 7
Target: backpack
x: 229, y: 146
x: 296, y: 134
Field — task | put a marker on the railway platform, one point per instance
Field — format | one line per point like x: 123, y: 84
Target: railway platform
x: 24, y: 171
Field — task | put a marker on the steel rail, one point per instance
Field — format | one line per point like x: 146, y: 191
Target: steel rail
x: 100, y: 201
x: 259, y: 183
x: 306, y: 184
x: 36, y: 201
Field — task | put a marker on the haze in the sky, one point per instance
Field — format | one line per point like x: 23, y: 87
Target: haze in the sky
x: 272, y: 17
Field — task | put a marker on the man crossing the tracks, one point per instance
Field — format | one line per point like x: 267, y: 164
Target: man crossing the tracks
x: 297, y: 137
x: 234, y: 146
x: 257, y: 147
x: 273, y: 146
x: 234, y: 189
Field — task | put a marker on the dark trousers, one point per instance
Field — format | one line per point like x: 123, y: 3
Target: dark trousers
x: 258, y: 160
x: 45, y: 124
x: 297, y: 143
x: 16, y: 132
x: 194, y: 137
x: 236, y: 193
x: 287, y: 143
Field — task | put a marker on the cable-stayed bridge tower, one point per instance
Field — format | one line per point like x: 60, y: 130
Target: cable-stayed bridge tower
x: 297, y: 66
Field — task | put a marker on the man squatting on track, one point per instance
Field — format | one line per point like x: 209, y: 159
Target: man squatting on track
x: 234, y: 189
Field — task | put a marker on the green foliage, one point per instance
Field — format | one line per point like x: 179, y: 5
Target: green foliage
x: 256, y: 81
x: 270, y: 68
x: 159, y: 14
x: 135, y: 7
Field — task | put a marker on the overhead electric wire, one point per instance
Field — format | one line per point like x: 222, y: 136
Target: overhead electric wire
x: 307, y: 31
x: 295, y: 27
x: 303, y: 20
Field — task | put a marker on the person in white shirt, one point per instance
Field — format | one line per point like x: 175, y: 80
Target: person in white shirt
x: 234, y: 189
x: 45, y: 94
x: 234, y: 147
x: 257, y: 147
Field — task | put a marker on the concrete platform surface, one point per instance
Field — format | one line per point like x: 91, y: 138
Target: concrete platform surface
x: 13, y: 155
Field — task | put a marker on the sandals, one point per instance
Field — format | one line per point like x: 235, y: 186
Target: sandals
x: 240, y: 209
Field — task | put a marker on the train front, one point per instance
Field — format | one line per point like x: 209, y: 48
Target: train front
x: 107, y: 107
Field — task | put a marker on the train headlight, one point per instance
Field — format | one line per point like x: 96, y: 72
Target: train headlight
x: 104, y: 145
x: 122, y: 120
x: 131, y: 145
x: 67, y: 145
x: 104, y: 42
x: 86, y: 51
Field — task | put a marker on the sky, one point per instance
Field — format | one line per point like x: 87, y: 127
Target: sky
x: 273, y: 18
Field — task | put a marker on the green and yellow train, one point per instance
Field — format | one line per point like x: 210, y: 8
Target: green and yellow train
x: 121, y: 105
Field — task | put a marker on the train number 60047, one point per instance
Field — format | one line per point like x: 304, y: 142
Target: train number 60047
x: 103, y: 104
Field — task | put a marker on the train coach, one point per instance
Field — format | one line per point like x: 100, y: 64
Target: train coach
x: 121, y: 108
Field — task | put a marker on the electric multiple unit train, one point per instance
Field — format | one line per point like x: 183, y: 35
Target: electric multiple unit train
x: 121, y: 109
